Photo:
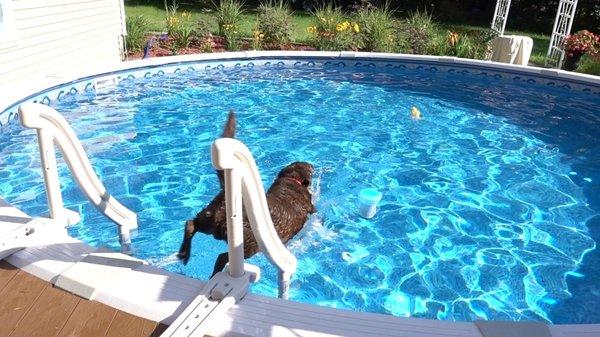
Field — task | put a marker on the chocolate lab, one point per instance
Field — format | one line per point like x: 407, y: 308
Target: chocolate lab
x: 289, y: 203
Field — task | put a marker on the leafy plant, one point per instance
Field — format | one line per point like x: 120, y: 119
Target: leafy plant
x: 274, y: 24
x: 257, y: 39
x: 438, y: 45
x: 376, y: 24
x: 459, y: 45
x: 332, y: 31
x: 422, y: 21
x: 204, y: 36
x: 590, y: 64
x: 483, y: 40
x: 180, y: 27
x: 419, y: 34
x: 228, y: 13
x: 232, y: 37
x: 582, y: 42
x: 137, y: 27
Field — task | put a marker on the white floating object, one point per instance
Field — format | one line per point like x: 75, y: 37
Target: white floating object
x: 368, y: 199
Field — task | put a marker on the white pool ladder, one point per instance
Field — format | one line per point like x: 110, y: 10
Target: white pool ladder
x: 52, y: 129
x: 242, y: 186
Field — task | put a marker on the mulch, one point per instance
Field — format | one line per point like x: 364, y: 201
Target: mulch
x: 163, y: 46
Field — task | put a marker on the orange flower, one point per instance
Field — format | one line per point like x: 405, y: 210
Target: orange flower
x: 453, y: 38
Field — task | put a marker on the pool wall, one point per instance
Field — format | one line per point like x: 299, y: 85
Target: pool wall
x: 56, y: 87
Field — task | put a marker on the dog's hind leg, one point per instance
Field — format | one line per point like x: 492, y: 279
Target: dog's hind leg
x: 186, y: 245
x: 250, y: 249
x: 220, y: 263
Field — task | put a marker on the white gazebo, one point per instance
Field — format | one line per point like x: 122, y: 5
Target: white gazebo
x: 562, y: 28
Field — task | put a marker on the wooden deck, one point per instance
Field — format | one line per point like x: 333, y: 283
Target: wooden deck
x: 31, y: 307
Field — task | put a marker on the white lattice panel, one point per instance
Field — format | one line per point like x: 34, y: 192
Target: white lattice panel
x: 562, y: 29
x: 500, y: 16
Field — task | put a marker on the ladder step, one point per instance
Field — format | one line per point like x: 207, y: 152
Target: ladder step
x: 215, y: 299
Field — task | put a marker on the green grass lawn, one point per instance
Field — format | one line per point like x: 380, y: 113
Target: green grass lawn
x: 156, y: 17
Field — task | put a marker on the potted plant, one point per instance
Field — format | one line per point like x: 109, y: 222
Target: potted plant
x: 576, y: 45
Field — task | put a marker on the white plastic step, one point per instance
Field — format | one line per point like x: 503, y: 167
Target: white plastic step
x: 96, y: 270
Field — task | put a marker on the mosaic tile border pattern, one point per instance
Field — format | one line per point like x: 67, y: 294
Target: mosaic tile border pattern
x: 96, y: 83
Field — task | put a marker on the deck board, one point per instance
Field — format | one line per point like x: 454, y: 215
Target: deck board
x: 47, y: 315
x: 127, y: 325
x: 7, y: 272
x: 90, y: 318
x: 160, y: 328
x: 31, y: 307
x: 18, y: 297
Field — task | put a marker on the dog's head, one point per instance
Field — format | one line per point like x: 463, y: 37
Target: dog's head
x: 299, y: 171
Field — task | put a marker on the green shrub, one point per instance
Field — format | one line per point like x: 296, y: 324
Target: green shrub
x: 275, y: 24
x: 137, y: 27
x: 204, y: 35
x: 180, y: 28
x: 589, y: 65
x: 418, y: 34
x: 423, y: 21
x: 257, y: 39
x: 482, y: 39
x: 228, y: 13
x: 232, y: 37
x: 467, y: 48
x: 459, y: 45
x: 332, y: 30
x: 438, y: 45
x: 376, y: 28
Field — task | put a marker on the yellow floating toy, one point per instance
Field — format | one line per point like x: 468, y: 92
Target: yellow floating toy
x: 415, y: 113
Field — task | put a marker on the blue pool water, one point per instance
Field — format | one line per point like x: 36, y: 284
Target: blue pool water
x: 490, y: 202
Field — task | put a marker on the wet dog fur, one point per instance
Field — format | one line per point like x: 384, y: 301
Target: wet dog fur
x: 289, y: 201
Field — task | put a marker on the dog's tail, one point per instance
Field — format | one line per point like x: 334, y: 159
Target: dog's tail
x: 229, y: 129
x: 228, y: 132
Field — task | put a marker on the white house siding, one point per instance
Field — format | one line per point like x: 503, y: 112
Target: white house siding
x: 61, y: 36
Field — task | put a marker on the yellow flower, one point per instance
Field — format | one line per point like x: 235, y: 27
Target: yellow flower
x: 172, y: 20
x: 339, y: 28
x: 311, y: 29
x: 356, y: 28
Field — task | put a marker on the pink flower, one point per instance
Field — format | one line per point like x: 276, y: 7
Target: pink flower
x: 581, y: 42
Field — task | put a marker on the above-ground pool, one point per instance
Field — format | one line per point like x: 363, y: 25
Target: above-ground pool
x: 490, y: 202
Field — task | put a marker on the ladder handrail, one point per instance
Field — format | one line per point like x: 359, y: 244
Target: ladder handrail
x: 52, y: 128
x: 236, y: 160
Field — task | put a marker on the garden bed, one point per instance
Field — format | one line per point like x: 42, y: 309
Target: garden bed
x: 165, y: 47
